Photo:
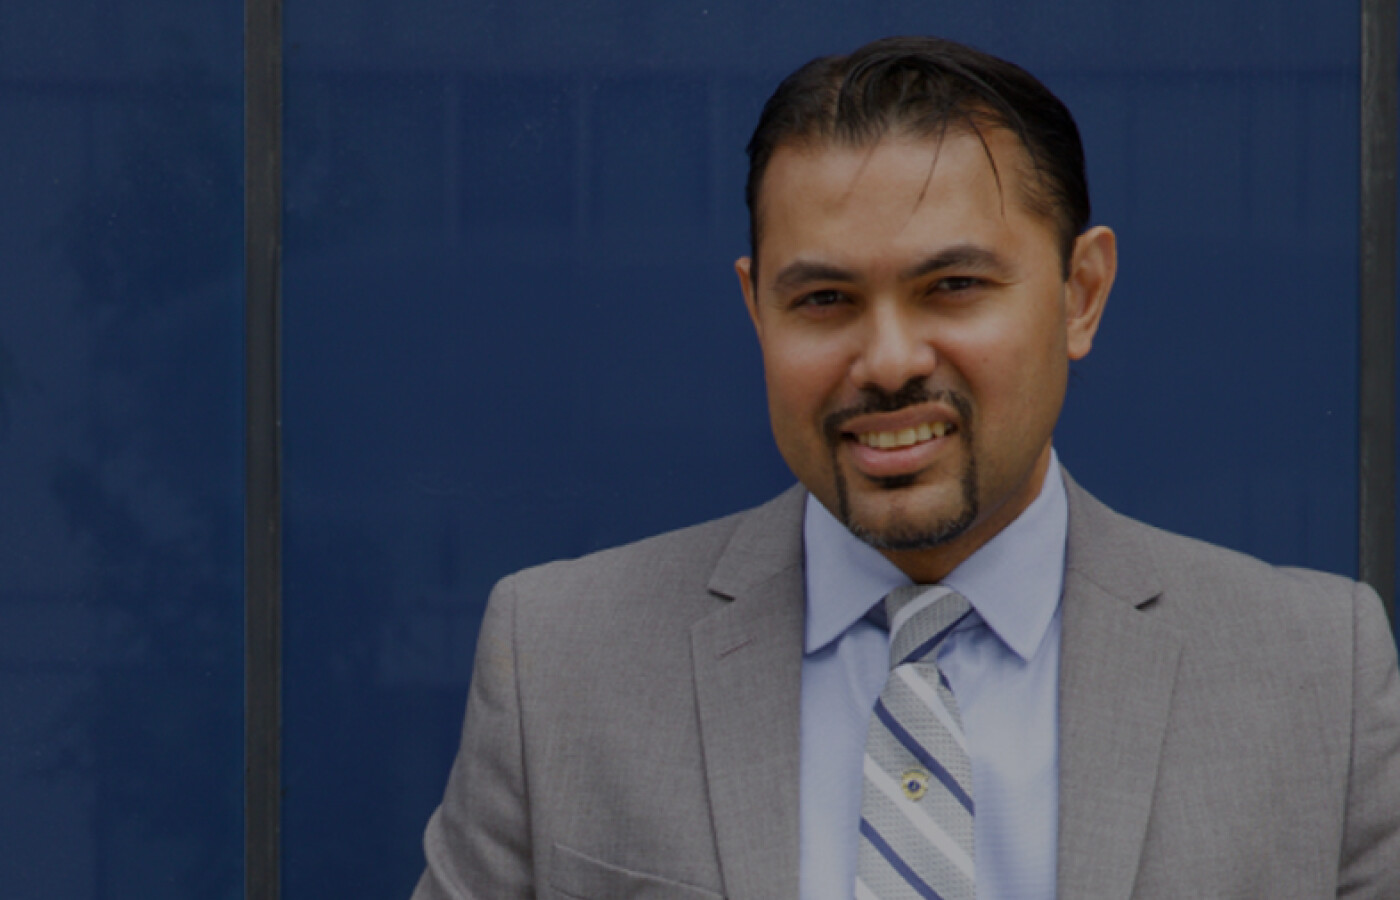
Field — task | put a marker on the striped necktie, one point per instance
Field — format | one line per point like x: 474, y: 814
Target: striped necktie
x: 916, y: 811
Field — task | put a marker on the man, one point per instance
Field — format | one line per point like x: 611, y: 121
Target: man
x: 1103, y: 710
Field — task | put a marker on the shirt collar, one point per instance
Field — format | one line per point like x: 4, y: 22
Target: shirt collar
x: 1013, y: 581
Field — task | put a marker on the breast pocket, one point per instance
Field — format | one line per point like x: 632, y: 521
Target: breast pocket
x: 580, y: 877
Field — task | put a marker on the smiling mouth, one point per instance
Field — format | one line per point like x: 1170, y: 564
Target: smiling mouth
x: 904, y: 437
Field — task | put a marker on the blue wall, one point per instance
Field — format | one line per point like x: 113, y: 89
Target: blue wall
x: 513, y: 334
x: 121, y: 378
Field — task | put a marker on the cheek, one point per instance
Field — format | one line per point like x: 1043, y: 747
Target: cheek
x: 1014, y: 373
x: 801, y: 380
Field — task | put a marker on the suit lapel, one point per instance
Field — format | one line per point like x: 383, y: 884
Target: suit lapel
x: 1118, y: 666
x: 748, y: 672
x: 1117, y: 671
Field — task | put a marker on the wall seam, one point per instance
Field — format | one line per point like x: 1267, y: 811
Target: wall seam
x: 263, y: 448
x: 1376, y: 388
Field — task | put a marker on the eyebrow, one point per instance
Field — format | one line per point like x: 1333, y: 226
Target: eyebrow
x: 802, y: 272
x: 960, y: 256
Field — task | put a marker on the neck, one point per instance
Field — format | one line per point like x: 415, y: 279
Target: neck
x: 932, y: 564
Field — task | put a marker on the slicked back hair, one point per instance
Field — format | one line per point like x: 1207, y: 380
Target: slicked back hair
x: 927, y: 87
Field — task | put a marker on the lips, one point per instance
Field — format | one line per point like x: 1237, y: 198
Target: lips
x: 905, y: 437
x: 902, y: 443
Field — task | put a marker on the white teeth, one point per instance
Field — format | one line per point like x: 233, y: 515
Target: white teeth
x: 908, y: 437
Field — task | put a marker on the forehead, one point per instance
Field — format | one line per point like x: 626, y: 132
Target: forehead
x: 900, y: 188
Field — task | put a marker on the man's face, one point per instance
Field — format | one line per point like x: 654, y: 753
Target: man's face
x: 917, y: 327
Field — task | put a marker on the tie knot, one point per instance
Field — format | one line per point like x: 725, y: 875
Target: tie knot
x: 921, y: 616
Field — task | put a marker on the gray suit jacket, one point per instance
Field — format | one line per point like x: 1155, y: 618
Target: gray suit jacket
x: 1227, y: 729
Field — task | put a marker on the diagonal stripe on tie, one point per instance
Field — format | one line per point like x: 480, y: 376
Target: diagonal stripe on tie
x: 898, y: 864
x: 936, y: 805
x: 927, y: 646
x: 913, y: 846
x: 917, y: 750
x: 909, y: 709
x: 916, y: 813
x: 925, y: 692
x: 907, y: 609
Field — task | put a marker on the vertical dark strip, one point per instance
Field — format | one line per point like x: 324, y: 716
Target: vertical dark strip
x: 1377, y: 320
x: 263, y: 379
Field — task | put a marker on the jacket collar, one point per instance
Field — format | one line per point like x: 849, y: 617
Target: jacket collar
x: 1118, y: 665
x: 747, y: 658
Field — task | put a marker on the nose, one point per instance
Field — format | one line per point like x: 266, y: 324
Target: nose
x: 893, y: 351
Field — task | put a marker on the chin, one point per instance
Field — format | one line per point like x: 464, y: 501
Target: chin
x: 902, y: 520
x: 914, y: 535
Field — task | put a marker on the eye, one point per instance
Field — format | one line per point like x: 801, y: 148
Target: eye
x: 819, y: 299
x: 957, y: 283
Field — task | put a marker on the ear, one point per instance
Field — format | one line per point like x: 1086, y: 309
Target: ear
x: 743, y: 267
x: 1092, y: 266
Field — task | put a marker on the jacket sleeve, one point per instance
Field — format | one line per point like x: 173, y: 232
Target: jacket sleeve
x: 1370, y: 858
x: 477, y: 843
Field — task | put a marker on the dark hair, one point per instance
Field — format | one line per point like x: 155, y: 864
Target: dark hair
x: 925, y: 86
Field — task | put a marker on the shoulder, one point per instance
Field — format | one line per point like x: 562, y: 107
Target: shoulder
x: 667, y: 574
x: 683, y: 554
x: 1213, y: 592
x: 1189, y: 564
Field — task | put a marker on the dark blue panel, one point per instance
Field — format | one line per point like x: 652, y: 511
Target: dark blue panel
x: 1233, y: 321
x: 513, y: 332
x: 121, y: 450
x: 517, y: 143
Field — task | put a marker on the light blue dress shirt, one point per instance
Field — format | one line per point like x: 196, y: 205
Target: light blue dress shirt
x: 1003, y: 664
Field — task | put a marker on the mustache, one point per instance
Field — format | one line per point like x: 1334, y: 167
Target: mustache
x: 877, y: 400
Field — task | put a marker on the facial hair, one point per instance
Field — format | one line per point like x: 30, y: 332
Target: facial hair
x: 914, y: 535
